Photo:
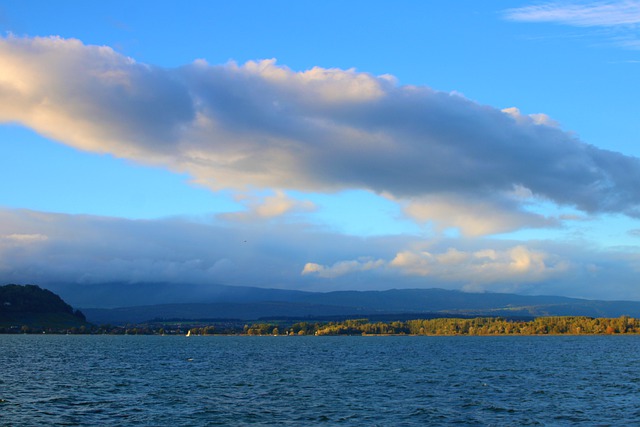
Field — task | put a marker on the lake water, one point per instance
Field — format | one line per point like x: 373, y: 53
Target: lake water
x: 309, y: 381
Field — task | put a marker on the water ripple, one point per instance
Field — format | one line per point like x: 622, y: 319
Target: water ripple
x: 326, y: 381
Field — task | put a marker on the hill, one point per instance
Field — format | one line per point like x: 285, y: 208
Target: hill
x: 30, y: 307
x: 245, y: 303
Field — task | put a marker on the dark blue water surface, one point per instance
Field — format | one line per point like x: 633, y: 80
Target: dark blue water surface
x: 308, y: 381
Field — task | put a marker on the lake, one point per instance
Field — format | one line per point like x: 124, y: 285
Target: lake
x: 309, y: 381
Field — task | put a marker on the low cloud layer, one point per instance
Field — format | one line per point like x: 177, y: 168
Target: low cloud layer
x: 264, y: 126
x: 45, y: 248
x: 474, y: 270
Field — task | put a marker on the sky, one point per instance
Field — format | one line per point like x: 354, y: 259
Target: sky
x: 483, y: 146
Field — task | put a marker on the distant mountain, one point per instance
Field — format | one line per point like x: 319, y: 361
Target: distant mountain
x: 217, y: 311
x: 33, y: 307
x: 245, y: 303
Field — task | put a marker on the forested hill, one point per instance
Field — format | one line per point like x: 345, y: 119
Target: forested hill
x: 31, y: 307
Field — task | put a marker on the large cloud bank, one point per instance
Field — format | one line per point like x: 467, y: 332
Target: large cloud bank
x: 47, y: 248
x: 260, y: 125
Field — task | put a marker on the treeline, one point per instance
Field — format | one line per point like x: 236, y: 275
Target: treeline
x: 559, y: 325
x: 480, y: 326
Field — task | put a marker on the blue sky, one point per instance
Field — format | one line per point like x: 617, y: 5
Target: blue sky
x: 339, y: 145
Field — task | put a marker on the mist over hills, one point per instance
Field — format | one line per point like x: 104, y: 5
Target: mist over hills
x: 119, y: 294
x: 122, y: 302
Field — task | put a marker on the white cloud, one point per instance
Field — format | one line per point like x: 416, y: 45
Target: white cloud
x: 312, y: 267
x: 482, y: 267
x: 261, y: 126
x: 24, y: 238
x: 267, y: 207
x: 479, y: 269
x: 475, y: 217
x: 530, y: 119
x: 617, y: 21
x: 341, y: 268
x: 583, y: 14
x: 497, y: 267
